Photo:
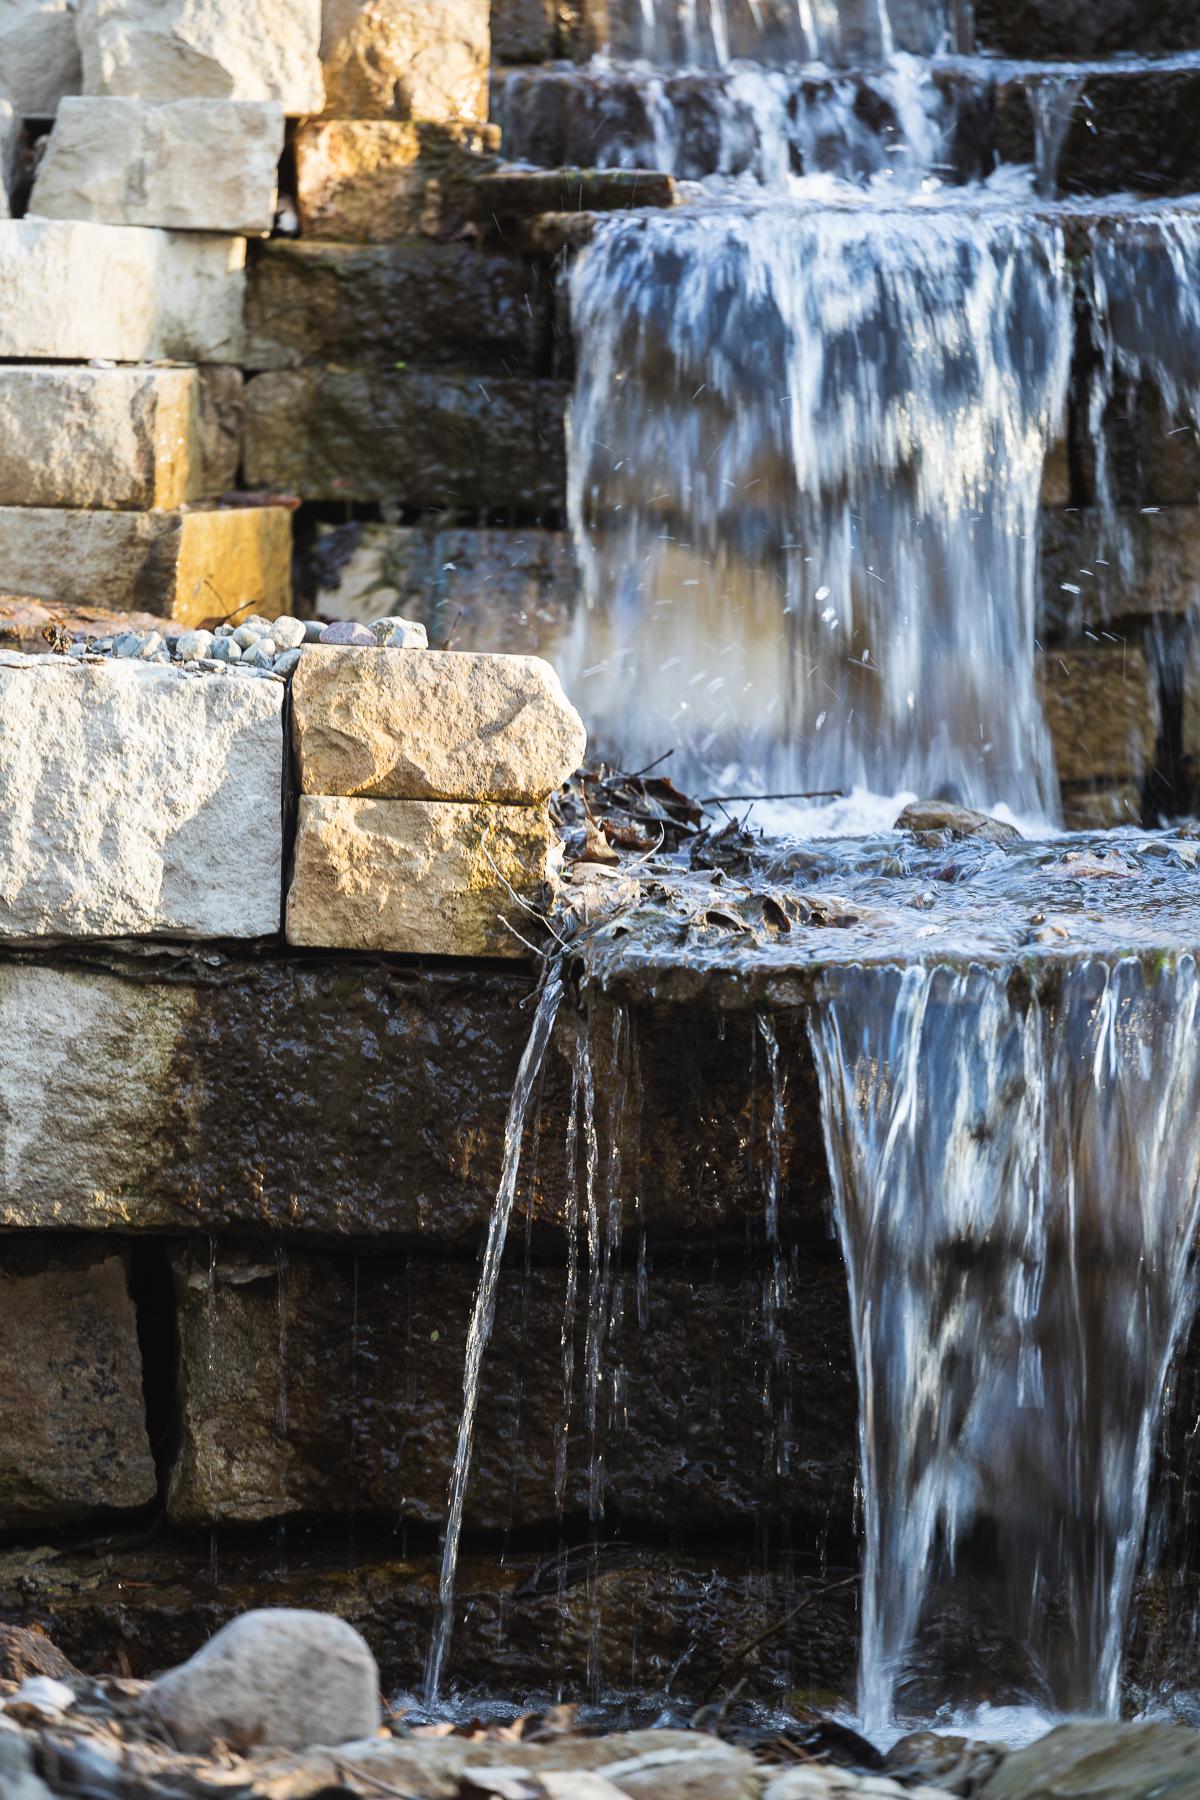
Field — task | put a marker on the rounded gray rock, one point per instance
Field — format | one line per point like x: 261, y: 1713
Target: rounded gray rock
x: 289, y: 633
x: 347, y: 633
x: 193, y: 645
x: 400, y: 634
x: 277, y: 1678
x: 129, y: 643
x: 226, y: 650
x: 286, y: 661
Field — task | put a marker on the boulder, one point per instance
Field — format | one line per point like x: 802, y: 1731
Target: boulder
x: 938, y: 822
x: 39, y: 55
x: 137, y: 800
x: 274, y: 1677
x: 76, y: 291
x: 1102, y: 710
x: 433, y: 725
x: 25, y: 1652
x: 406, y: 59
x: 1101, y: 1762
x: 360, y: 1417
x: 412, y: 302
x: 204, y: 49
x: 72, y: 1423
x: 138, y: 162
x: 377, y: 180
x: 99, y: 438
x: 189, y: 565
x: 419, y: 878
x: 425, y: 439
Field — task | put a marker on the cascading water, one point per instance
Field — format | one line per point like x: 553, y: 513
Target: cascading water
x: 1015, y: 1181
x: 708, y: 32
x: 806, y: 455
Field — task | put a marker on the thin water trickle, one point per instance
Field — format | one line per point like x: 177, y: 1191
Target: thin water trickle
x: 480, y: 1331
x: 1015, y: 1179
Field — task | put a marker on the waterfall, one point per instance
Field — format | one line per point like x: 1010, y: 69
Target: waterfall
x: 806, y: 452
x: 1015, y: 1177
x: 708, y: 33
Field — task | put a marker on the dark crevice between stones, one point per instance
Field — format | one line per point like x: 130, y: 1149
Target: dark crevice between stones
x: 152, y: 1290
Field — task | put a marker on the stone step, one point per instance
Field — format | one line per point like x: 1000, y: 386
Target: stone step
x: 423, y: 439
x: 407, y: 59
x: 1102, y: 709
x: 72, y: 1424
x: 199, y: 855
x: 189, y: 565
x: 1100, y: 571
x: 414, y: 302
x: 1120, y: 129
x: 136, y: 438
x: 508, y: 196
x: 375, y: 180
x: 71, y: 292
x: 227, y: 50
x: 137, y: 162
x: 420, y: 878
x: 1074, y: 28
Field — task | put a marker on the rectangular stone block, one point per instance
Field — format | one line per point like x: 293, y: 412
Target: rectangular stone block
x: 39, y: 55
x: 413, y: 302
x: 523, y: 31
x: 1102, y: 709
x: 72, y: 1418
x: 136, y: 801
x: 223, y: 50
x: 418, y: 878
x: 360, y: 1412
x: 189, y: 565
x: 222, y: 410
x: 186, y: 165
x: 73, y: 292
x: 375, y: 180
x: 128, y: 437
x: 406, y: 59
x: 422, y: 439
x: 1097, y: 573
x: 432, y: 725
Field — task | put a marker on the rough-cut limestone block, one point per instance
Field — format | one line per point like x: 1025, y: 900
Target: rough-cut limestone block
x: 189, y: 565
x: 72, y: 1421
x: 74, y: 436
x: 72, y: 291
x: 1086, y: 580
x: 412, y: 302
x: 524, y: 31
x: 372, y: 1411
x: 374, y: 180
x: 189, y: 165
x: 1079, y: 29
x: 416, y: 877
x: 511, y: 591
x: 432, y: 725
x: 279, y: 1675
x: 425, y: 439
x: 208, y: 1092
x: 39, y: 55
x: 136, y: 800
x: 406, y: 59
x: 204, y: 50
x: 1102, y: 710
x: 222, y: 408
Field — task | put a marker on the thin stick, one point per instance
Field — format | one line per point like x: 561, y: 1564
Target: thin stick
x: 736, y: 799
x: 746, y: 1649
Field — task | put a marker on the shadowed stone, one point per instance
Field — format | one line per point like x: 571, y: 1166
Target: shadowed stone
x: 1102, y: 711
x: 39, y: 55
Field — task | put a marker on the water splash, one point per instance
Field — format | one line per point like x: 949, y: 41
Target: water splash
x: 800, y: 437
x: 1015, y: 1181
x: 1052, y: 101
x: 479, y: 1334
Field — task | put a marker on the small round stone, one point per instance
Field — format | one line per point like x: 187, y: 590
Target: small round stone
x: 247, y: 634
x: 193, y: 645
x: 346, y: 631
x: 286, y: 661
x: 152, y: 643
x: 312, y: 630
x: 400, y: 634
x: 129, y: 643
x: 226, y: 650
x: 260, y: 655
x: 103, y: 645
x: 289, y: 633
x: 223, y: 631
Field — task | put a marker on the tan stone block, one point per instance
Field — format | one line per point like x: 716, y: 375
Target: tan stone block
x: 406, y: 59
x: 1102, y: 710
x: 187, y: 165
x: 432, y: 725
x: 374, y: 180
x: 72, y: 1420
x: 128, y: 438
x: 190, y: 565
x: 417, y: 877
x: 1097, y: 571
x: 223, y: 50
x: 1101, y: 806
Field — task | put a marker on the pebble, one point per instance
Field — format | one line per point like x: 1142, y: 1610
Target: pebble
x: 286, y: 661
x: 312, y: 630
x: 347, y: 632
x: 152, y: 643
x: 226, y: 650
x: 260, y: 655
x: 128, y: 644
x: 247, y: 634
x: 289, y: 633
x: 194, y: 645
x: 400, y: 634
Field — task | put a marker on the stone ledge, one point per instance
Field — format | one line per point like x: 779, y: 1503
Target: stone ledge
x: 1102, y: 711
x: 186, y: 165
x: 433, y: 725
x: 136, y: 800
x: 188, y: 565
x: 375, y: 180
x: 402, y: 59
x: 418, y: 878
x: 77, y: 291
